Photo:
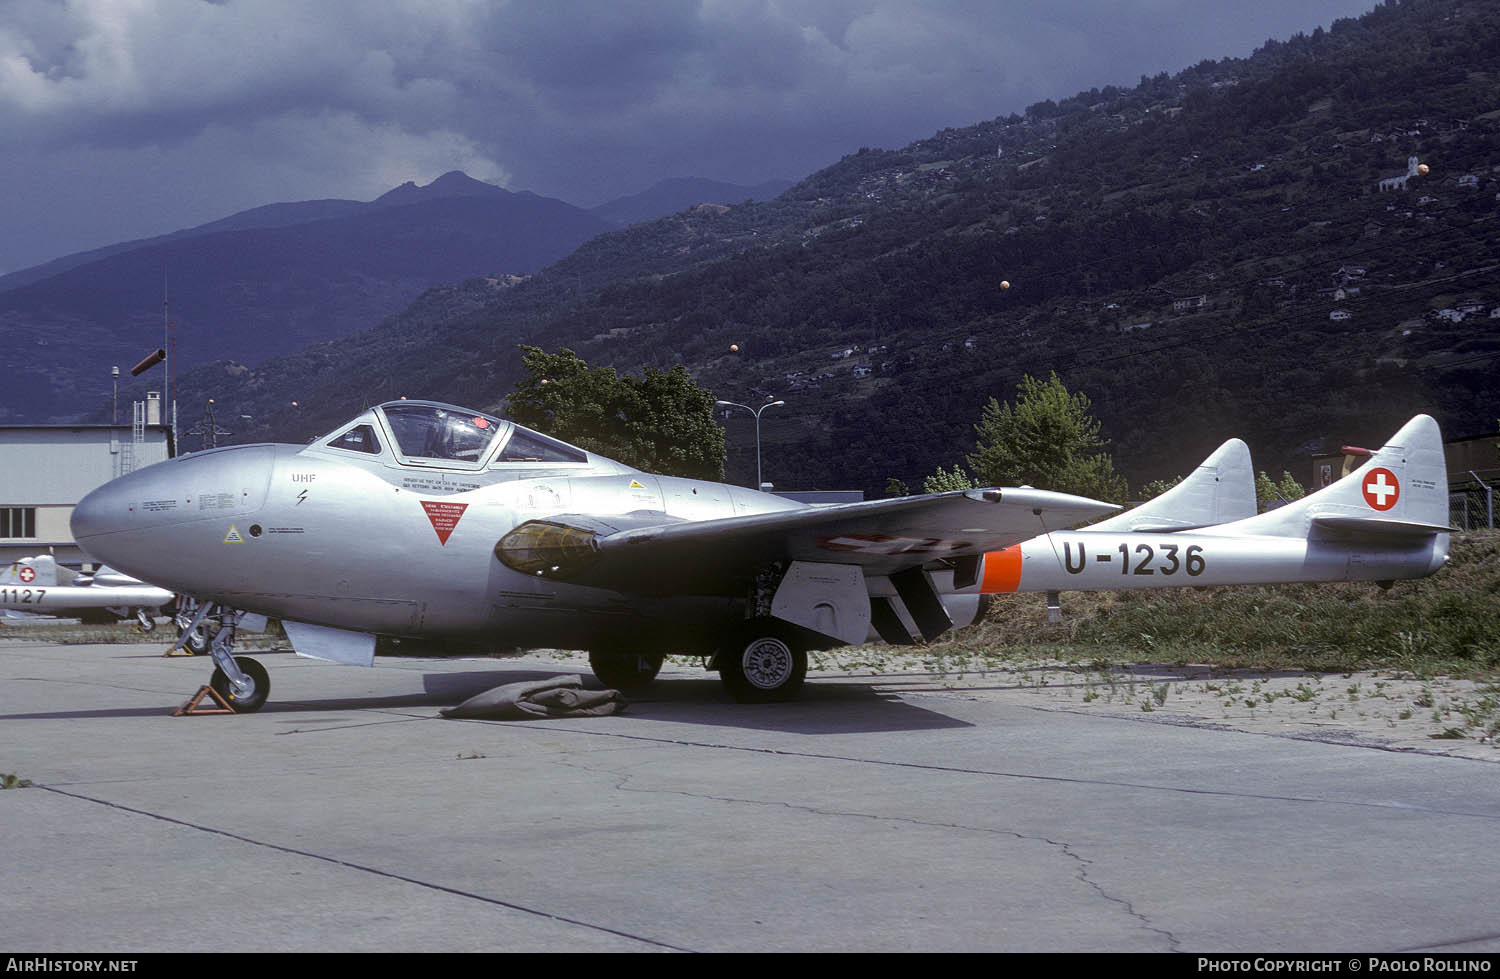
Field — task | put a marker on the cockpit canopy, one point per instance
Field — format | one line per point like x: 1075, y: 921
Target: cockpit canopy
x: 436, y: 434
x: 431, y: 434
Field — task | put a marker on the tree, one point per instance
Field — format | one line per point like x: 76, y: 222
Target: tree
x: 942, y: 482
x: 1048, y: 440
x: 1265, y: 490
x: 1283, y: 492
x: 1157, y: 487
x: 1289, y: 488
x: 661, y: 422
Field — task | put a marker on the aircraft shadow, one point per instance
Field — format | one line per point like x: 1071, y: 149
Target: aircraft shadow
x: 842, y: 708
x: 822, y: 708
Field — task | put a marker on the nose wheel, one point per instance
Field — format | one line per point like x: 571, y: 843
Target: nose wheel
x: 249, y: 696
x: 239, y: 681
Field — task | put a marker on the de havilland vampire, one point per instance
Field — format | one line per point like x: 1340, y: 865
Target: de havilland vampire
x: 426, y: 520
x: 38, y: 585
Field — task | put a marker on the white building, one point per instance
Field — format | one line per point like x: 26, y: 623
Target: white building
x: 1399, y: 183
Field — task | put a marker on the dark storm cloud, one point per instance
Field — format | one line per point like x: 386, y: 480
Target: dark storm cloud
x: 161, y: 113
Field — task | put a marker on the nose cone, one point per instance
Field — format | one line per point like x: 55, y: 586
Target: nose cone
x: 103, y: 512
x: 144, y: 523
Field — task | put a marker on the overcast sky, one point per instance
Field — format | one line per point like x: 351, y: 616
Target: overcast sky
x: 126, y: 118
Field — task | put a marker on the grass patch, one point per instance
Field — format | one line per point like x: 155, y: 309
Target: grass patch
x: 124, y: 631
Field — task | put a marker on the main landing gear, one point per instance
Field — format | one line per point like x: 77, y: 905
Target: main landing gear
x: 625, y: 670
x: 760, y: 661
x: 192, y: 628
x: 763, y: 661
x: 240, y: 681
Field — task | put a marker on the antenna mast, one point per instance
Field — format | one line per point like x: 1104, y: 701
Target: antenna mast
x: 166, y: 337
x: 169, y: 372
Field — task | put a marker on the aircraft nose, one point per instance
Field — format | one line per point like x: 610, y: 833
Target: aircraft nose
x: 103, y: 511
x: 141, y: 521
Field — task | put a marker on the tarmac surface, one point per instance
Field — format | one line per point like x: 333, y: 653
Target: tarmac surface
x: 891, y: 813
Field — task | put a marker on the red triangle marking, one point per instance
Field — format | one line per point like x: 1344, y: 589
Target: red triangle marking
x: 444, y: 517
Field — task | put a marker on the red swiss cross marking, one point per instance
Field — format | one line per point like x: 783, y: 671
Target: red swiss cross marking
x: 27, y: 574
x: 1380, y: 488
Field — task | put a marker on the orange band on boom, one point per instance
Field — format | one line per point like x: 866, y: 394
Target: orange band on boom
x: 1002, y: 571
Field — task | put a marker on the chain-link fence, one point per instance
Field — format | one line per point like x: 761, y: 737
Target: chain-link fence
x: 1471, y: 508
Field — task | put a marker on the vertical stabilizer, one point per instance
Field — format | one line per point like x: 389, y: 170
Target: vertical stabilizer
x: 1220, y: 490
x: 1402, y: 488
x: 38, y: 572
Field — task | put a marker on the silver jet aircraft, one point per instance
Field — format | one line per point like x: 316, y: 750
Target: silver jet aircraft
x: 37, y: 584
x: 421, y: 519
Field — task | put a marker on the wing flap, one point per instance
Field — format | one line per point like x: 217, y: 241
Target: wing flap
x: 880, y: 536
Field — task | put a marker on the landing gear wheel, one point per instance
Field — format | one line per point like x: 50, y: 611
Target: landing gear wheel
x: 198, y: 640
x: 763, y: 662
x: 625, y: 671
x: 251, y: 700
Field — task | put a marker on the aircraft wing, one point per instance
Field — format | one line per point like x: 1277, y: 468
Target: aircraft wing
x: 651, y: 553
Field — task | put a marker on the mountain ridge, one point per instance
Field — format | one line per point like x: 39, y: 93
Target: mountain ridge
x: 676, y: 194
x: 266, y: 281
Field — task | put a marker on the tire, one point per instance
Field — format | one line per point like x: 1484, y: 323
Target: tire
x: 625, y: 671
x: 763, y: 662
x: 198, y: 641
x: 260, y: 686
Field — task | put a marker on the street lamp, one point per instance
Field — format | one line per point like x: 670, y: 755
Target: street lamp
x: 756, y: 412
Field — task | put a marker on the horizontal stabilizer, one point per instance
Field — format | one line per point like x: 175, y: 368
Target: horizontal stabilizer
x: 1376, y: 527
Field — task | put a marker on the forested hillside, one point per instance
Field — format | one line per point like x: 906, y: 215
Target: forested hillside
x: 1204, y: 255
